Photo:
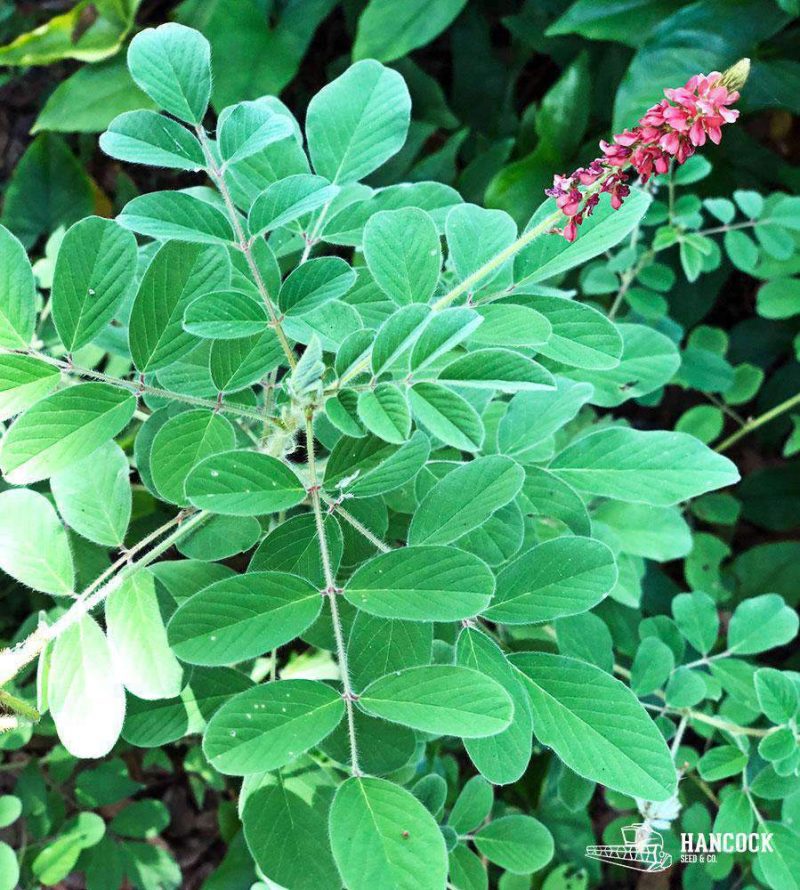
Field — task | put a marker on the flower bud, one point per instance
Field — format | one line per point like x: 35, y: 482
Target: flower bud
x: 735, y: 77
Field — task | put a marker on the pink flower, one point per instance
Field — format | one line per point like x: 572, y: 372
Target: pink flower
x: 668, y: 132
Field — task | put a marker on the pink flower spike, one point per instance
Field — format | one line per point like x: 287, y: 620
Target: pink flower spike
x: 668, y: 133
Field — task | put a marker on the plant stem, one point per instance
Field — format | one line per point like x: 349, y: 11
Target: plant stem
x: 711, y: 720
x: 357, y: 524
x: 18, y: 706
x: 497, y: 260
x: 244, y: 245
x: 134, y: 387
x: 759, y: 421
x: 17, y: 657
x: 312, y: 238
x: 331, y: 592
x: 469, y: 282
x: 729, y: 228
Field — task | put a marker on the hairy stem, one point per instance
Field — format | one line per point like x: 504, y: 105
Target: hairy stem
x: 759, y: 421
x: 136, y: 388
x: 17, y: 657
x: 470, y: 282
x: 356, y: 523
x: 218, y: 177
x: 330, y: 584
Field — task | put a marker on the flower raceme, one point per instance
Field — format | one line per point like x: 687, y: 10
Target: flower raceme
x: 670, y: 131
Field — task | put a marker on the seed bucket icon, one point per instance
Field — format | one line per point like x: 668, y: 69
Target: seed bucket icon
x: 642, y: 850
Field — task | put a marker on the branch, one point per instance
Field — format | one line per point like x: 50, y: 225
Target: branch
x: 331, y: 591
x: 218, y: 177
x: 469, y: 283
x: 137, y: 388
x: 13, y: 660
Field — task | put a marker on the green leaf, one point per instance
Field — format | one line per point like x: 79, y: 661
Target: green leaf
x: 442, y: 699
x: 18, y: 304
x: 62, y: 428
x: 249, y: 127
x: 519, y: 844
x: 27, y: 519
x: 697, y: 619
x: 172, y: 64
x: 777, y: 694
x: 59, y: 858
x: 346, y: 227
x: 761, y: 623
x: 472, y: 806
x: 10, y: 809
x: 387, y: 32
x: 781, y: 865
x: 49, y: 188
x: 142, y: 819
x: 178, y: 215
x: 225, y: 315
x: 86, y: 698
x: 658, y: 533
x: 378, y: 646
x: 220, y: 537
x: 581, y: 336
x: 404, y: 254
x: 779, y: 298
x: 464, y: 499
x: 422, y: 584
x: 237, y: 364
x: 381, y: 467
x: 544, y: 494
x: 721, y: 763
x: 512, y: 326
x: 496, y: 369
x: 596, y: 725
x: 94, y: 274
x: 88, y: 100
x: 75, y: 34
x: 474, y: 237
x: 397, y: 334
x: 532, y: 417
x: 293, y: 547
x: 384, y: 412
x: 659, y: 467
x: 243, y: 617
x: 94, y: 495
x: 287, y: 200
x: 447, y: 415
x: 288, y: 837
x: 23, y: 381
x: 357, y: 122
x: 550, y: 255
x: 382, y: 836
x: 146, y: 137
x: 444, y: 331
x: 565, y: 576
x: 138, y: 640
x: 315, y: 283
x: 176, y: 276
x: 180, y: 444
x: 466, y: 868
x: 243, y: 483
x: 504, y: 757
x: 270, y: 725
x: 626, y: 21
x: 685, y: 688
x: 652, y: 666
